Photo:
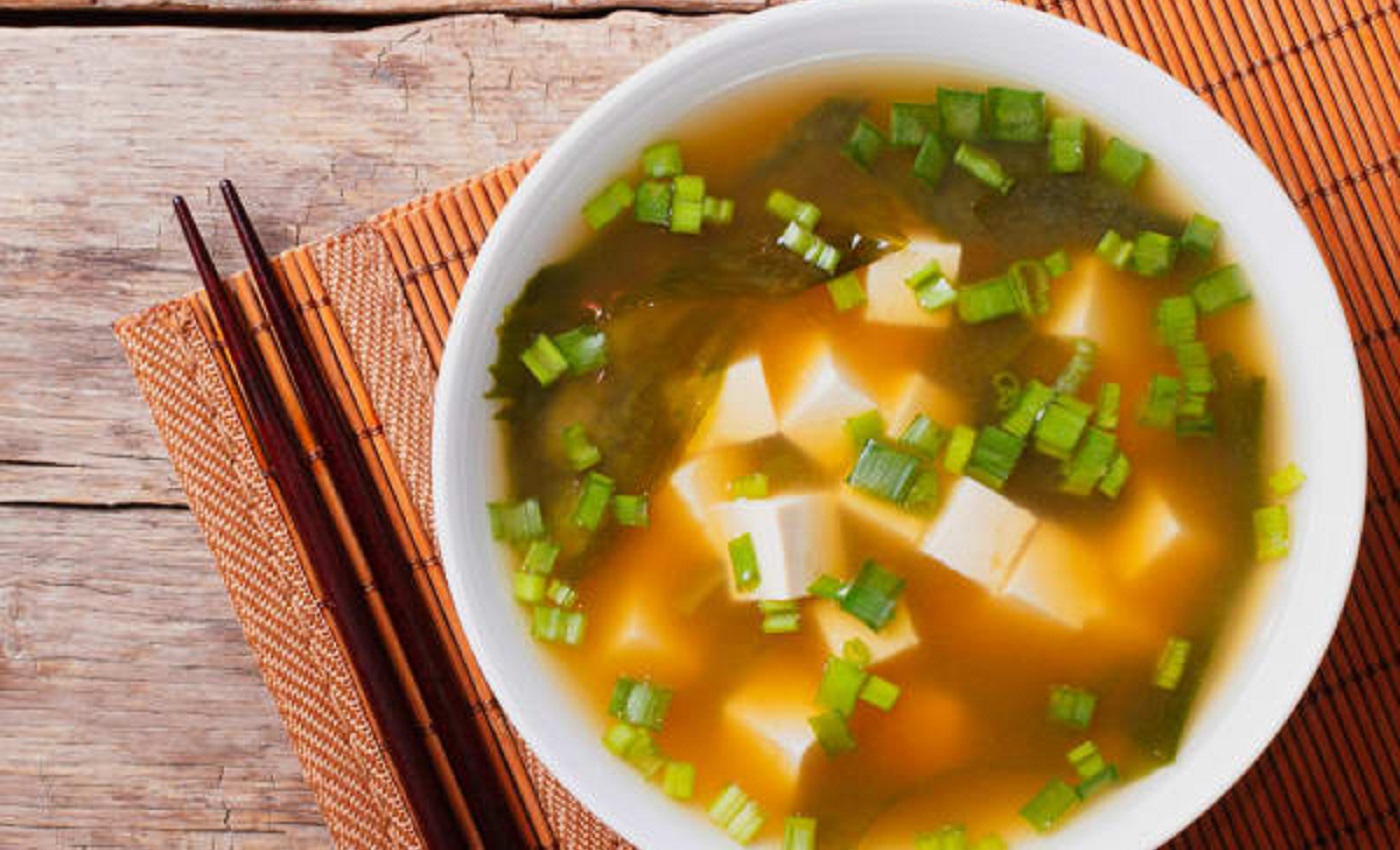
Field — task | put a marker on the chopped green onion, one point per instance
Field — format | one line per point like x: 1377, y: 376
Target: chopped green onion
x: 1116, y: 477
x: 1110, y: 399
x: 832, y: 733
x: 846, y: 291
x: 780, y: 617
x: 1176, y: 320
x: 994, y: 456
x: 662, y: 159
x: 736, y: 814
x: 1192, y: 424
x: 983, y: 166
x: 1154, y: 254
x: 1072, y: 706
x: 924, y: 436
x: 544, y: 361
x: 931, y: 160
x: 911, y: 123
x: 640, y: 703
x: 827, y: 587
x: 557, y: 625
x: 1022, y: 289
x: 1015, y: 115
x: 872, y: 595
x: 1200, y: 234
x: 1029, y: 405
x: 529, y: 587
x: 689, y: 187
x: 1114, y: 249
x: 540, y: 557
x: 1080, y: 366
x: 1060, y: 427
x: 516, y: 522
x: 1067, y: 140
x: 1224, y: 287
x: 960, y: 444
x: 840, y: 685
x: 989, y: 842
x: 688, y: 217
x: 593, y: 501
x: 584, y: 348
x: 857, y: 652
x: 865, y: 427
x: 581, y: 453
x: 1057, y: 264
x: 810, y: 247
x: 945, y: 838
x: 1048, y: 806
x: 1122, y: 163
x: 960, y: 114
x: 605, y: 206
x: 631, y: 511
x: 1271, y: 533
x: 678, y: 780
x: 1193, y: 360
x: 1286, y: 481
x: 1008, y: 389
x: 1089, y: 465
x: 744, y: 560
x: 865, y: 144
x: 717, y: 210
x: 636, y: 746
x: 751, y: 486
x: 884, y: 472
x: 880, y: 693
x: 800, y: 833
x: 936, y: 294
x: 788, y: 208
x: 1086, y: 760
x: 561, y: 593
x: 1159, y: 408
x: 1171, y: 664
x: 653, y: 203
x: 1089, y: 787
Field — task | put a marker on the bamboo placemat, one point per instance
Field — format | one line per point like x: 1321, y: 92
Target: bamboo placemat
x: 1311, y: 84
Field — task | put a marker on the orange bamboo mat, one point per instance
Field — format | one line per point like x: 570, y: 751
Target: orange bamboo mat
x: 1311, y: 84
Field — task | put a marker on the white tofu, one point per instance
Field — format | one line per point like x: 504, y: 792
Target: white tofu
x: 979, y: 534
x: 1150, y: 529
x: 889, y: 301
x: 703, y: 481
x: 1058, y: 576
x: 824, y: 397
x: 646, y: 634
x: 916, y: 395
x: 837, y: 627
x: 796, y: 538
x: 742, y: 411
x: 1072, y: 300
x: 883, y: 516
x: 770, y: 710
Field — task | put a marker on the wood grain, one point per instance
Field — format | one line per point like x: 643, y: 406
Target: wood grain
x: 130, y: 711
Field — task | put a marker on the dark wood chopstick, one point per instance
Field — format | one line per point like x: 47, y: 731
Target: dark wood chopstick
x: 473, y: 752
x: 385, y: 699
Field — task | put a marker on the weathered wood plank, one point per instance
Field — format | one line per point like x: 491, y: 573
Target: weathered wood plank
x: 130, y: 712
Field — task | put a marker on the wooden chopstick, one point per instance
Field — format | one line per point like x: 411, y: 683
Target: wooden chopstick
x: 348, y: 609
x: 474, y: 755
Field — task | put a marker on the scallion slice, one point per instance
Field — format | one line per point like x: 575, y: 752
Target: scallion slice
x: 789, y: 208
x: 1122, y: 163
x: 960, y: 444
x: 1159, y: 407
x: 951, y: 837
x: 856, y: 651
x: 931, y: 161
x: 736, y: 814
x: 584, y: 348
x: 1080, y: 366
x: 865, y: 427
x: 1031, y: 402
x: 605, y: 206
x: 516, y: 522
x: 1114, y: 249
x: 872, y: 595
x: 1047, y: 807
x: 640, y: 702
x: 827, y: 587
x: 1271, y: 533
x: 751, y: 486
x: 653, y: 203
x: 865, y: 144
x: 687, y: 217
x: 879, y: 692
x: 1200, y: 234
x: 994, y: 456
x: 1116, y: 477
x: 832, y: 733
x: 1171, y: 664
x: 780, y: 617
x: 662, y: 159
x: 1067, y: 141
x: 556, y: 625
x: 678, y: 780
x: 800, y: 833
x: 689, y: 187
x: 847, y: 292
x: 884, y: 471
x: 717, y: 210
x: 593, y: 500
x: 1286, y: 481
x: 540, y: 557
x: 1060, y: 427
x: 1110, y: 399
x: 1176, y: 320
x: 744, y: 560
x: 1086, y: 760
x: 1015, y: 115
x: 924, y: 436
x: 1224, y: 287
x: 840, y: 685
x: 1193, y: 360
x: 1089, y: 465
x: 561, y: 594
x: 1057, y: 264
x: 983, y: 166
x: 632, y: 510
x: 992, y: 299
x: 544, y: 361
x: 1072, y: 706
x: 1089, y: 787
x: 579, y: 450
x: 810, y: 247
x: 936, y: 294
x: 960, y: 114
x: 529, y: 587
x: 911, y: 123
x: 1154, y: 254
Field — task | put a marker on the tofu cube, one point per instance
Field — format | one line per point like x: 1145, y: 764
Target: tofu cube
x: 742, y: 410
x: 824, y: 397
x: 889, y: 301
x: 703, y: 481
x: 1072, y: 300
x: 884, y: 517
x: 918, y: 394
x: 837, y: 627
x: 1058, y: 576
x: 644, y: 633
x: 1150, y: 529
x: 979, y: 534
x: 768, y: 713
x: 796, y: 538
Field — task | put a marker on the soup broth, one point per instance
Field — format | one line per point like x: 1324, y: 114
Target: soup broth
x: 968, y: 739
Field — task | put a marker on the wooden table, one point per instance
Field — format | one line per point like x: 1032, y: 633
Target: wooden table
x: 131, y: 713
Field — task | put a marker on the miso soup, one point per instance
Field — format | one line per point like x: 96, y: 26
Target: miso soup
x: 886, y: 460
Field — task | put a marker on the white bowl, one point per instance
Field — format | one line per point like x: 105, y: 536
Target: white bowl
x: 1273, y: 657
